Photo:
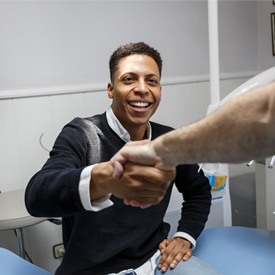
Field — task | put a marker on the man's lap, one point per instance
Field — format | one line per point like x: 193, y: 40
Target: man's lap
x: 193, y: 266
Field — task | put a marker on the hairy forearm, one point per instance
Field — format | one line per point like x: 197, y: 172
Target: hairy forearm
x: 241, y: 130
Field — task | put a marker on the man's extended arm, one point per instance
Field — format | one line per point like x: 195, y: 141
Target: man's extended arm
x: 240, y: 130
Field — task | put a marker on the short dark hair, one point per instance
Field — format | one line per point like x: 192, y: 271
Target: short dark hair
x: 133, y: 48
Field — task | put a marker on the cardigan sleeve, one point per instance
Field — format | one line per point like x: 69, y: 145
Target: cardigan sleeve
x: 196, y: 192
x: 53, y: 191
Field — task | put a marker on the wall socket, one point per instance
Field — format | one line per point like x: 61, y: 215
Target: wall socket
x: 58, y: 251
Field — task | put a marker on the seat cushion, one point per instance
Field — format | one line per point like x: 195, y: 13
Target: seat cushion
x: 11, y: 264
x: 237, y: 250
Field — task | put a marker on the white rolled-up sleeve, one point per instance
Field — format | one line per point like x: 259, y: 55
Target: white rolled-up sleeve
x: 187, y: 237
x: 84, y: 192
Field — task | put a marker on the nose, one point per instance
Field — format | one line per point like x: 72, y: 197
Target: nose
x: 141, y: 87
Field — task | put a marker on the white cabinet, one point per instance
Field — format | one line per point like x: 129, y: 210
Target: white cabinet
x: 265, y: 192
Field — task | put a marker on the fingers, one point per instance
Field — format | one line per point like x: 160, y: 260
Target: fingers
x: 187, y: 255
x: 118, y: 169
x: 148, y: 175
x: 135, y: 203
x: 132, y: 151
x: 163, y: 245
x: 144, y: 199
x: 142, y: 186
x: 173, y: 251
x: 153, y: 183
x: 135, y: 151
x: 171, y: 263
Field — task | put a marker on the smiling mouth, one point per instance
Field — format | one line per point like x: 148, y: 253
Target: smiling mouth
x: 139, y: 104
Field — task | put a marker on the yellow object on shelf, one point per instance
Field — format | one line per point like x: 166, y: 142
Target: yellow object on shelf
x: 216, y: 180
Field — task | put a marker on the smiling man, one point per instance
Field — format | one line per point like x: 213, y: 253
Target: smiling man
x: 103, y: 235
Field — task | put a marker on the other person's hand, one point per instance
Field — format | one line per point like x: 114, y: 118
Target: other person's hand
x: 145, y: 184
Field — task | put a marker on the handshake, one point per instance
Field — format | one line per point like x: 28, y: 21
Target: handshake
x: 156, y: 173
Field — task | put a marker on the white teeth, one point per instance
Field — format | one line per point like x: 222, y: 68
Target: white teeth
x: 139, y: 104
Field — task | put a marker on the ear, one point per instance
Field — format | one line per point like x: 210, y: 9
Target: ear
x: 110, y: 90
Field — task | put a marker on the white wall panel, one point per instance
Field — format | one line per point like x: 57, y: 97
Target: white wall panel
x: 8, y: 239
x: 11, y: 172
x: 33, y: 117
x: 40, y: 240
x: 65, y: 108
x: 182, y: 104
x: 96, y: 103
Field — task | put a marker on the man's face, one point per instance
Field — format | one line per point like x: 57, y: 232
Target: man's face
x: 135, y: 90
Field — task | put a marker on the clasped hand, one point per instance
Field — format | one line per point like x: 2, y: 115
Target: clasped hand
x: 143, y: 184
x: 142, y: 153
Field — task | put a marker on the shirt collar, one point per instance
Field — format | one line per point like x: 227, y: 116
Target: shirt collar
x: 117, y: 127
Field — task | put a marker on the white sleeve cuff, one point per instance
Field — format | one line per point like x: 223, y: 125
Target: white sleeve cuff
x: 84, y: 192
x: 187, y: 237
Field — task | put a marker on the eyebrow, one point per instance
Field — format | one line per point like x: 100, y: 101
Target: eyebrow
x: 147, y: 75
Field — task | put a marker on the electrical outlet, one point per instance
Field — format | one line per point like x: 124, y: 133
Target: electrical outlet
x: 58, y: 251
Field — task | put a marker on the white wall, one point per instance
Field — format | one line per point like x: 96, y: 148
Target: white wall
x: 49, y: 49
x: 61, y: 43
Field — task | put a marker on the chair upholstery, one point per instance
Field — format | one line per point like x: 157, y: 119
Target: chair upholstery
x: 11, y: 264
x: 237, y: 250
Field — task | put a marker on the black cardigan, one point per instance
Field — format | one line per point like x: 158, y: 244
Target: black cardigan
x: 118, y: 237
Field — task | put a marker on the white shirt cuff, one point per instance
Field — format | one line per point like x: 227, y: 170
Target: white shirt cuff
x: 84, y: 192
x: 187, y: 237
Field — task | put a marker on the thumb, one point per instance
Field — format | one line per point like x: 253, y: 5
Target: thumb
x: 118, y: 169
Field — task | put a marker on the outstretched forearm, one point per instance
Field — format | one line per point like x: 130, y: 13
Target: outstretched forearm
x: 241, y: 130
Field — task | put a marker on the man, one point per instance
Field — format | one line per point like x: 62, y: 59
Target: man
x: 101, y: 234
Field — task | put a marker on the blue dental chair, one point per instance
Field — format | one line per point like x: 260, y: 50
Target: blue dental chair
x: 238, y: 250
x: 11, y: 264
x: 231, y: 250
